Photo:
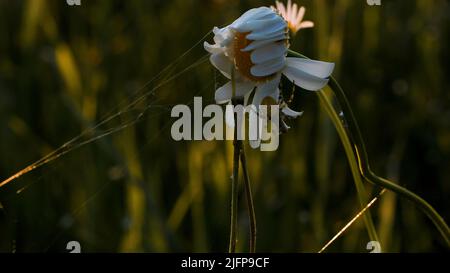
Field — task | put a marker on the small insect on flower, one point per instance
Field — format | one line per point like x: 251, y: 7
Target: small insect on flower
x: 293, y: 16
x: 252, y: 52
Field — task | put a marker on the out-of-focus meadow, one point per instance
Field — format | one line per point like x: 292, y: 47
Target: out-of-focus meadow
x: 64, y: 69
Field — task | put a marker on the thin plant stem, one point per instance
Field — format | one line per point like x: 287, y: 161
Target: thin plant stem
x: 362, y: 195
x: 363, y: 161
x: 237, y: 144
x: 367, y: 173
x: 250, y: 205
x: 234, y: 194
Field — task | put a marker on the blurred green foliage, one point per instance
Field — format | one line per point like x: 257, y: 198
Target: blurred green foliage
x: 65, y: 69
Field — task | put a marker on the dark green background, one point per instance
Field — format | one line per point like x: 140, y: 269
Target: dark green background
x: 64, y: 69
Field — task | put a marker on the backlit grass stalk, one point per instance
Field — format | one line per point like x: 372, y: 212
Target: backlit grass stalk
x: 363, y: 162
x: 362, y: 195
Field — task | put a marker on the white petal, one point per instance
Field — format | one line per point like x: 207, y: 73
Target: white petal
x: 273, y: 26
x: 273, y: 30
x: 269, y: 89
x: 259, y: 24
x: 284, y: 125
x: 213, y: 49
x: 222, y: 63
x: 289, y: 10
x: 306, y: 24
x: 257, y: 13
x: 268, y: 52
x: 315, y: 68
x: 269, y: 67
x: 252, y: 14
x: 260, y: 43
x: 291, y: 113
x: 218, y: 37
x: 300, y: 15
x: 303, y: 79
x: 280, y: 8
x: 293, y: 13
x: 223, y: 94
x: 262, y: 35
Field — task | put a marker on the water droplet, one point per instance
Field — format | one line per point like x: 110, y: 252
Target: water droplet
x: 342, y: 118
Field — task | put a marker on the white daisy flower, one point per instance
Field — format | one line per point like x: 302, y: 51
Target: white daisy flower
x: 293, y: 16
x: 255, y: 47
x: 254, y: 50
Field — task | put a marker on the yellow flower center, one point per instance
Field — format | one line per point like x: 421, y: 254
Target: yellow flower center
x: 292, y: 27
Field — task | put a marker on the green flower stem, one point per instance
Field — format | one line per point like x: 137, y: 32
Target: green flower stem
x: 372, y: 177
x: 362, y: 195
x: 235, y: 178
x: 363, y: 162
x: 234, y: 194
x: 250, y: 206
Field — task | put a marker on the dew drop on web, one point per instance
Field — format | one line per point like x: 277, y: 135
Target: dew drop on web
x: 342, y: 117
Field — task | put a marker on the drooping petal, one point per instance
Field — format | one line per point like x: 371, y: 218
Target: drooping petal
x: 213, y: 49
x: 218, y: 35
x: 267, y: 26
x: 303, y: 79
x: 259, y: 24
x: 316, y: 68
x: 265, y: 36
x: 269, y: 52
x: 284, y: 127
x: 222, y: 36
x: 308, y: 74
x: 252, y: 14
x: 222, y: 63
x: 268, y: 32
x: 269, y: 89
x: 224, y: 94
x: 260, y: 43
x: 290, y: 113
x: 268, y: 68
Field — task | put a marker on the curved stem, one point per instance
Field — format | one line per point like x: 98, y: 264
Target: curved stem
x: 353, y: 162
x: 250, y: 205
x: 363, y: 161
x: 366, y: 172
